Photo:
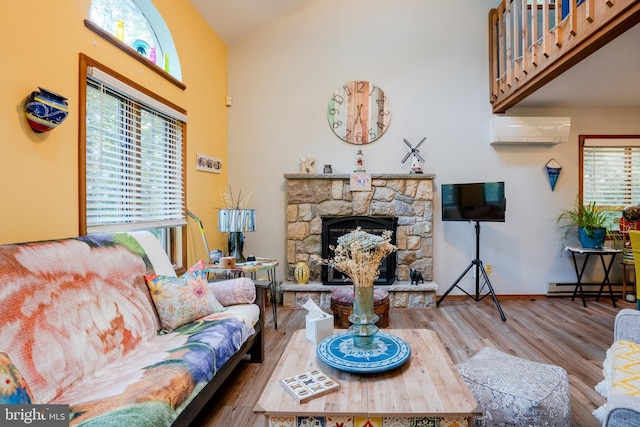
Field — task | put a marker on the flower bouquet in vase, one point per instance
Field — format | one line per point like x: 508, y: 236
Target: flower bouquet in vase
x: 359, y: 255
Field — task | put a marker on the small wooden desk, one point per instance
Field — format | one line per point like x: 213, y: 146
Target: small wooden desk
x: 426, y: 386
x: 602, y: 252
x: 250, y: 269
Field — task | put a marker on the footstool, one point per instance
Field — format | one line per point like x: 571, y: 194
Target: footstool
x: 517, y: 392
x: 342, y: 306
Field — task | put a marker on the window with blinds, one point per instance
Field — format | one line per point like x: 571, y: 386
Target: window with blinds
x: 610, y: 172
x: 134, y: 158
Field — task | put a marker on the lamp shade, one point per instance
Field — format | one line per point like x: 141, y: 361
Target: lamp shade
x: 236, y: 220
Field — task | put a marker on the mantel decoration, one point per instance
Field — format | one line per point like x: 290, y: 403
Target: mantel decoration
x: 45, y: 110
x: 416, y: 158
x: 363, y: 348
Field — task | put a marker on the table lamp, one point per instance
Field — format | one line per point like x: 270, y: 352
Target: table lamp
x: 235, y: 222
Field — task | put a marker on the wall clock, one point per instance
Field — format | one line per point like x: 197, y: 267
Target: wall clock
x: 359, y: 112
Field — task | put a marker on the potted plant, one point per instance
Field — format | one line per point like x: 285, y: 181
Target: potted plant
x: 591, y: 223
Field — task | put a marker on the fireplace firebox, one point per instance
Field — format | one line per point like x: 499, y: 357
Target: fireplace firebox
x: 334, y: 227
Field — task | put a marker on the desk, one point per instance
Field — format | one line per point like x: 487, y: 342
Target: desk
x: 428, y: 385
x: 250, y: 269
x: 602, y: 252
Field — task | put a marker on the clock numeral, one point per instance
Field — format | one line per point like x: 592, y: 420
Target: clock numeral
x: 360, y: 87
x: 381, y: 126
x: 359, y: 137
x: 381, y: 100
x: 337, y: 124
x: 334, y: 111
x: 372, y: 135
x: 373, y: 89
x: 347, y: 89
x: 383, y: 112
x: 338, y: 99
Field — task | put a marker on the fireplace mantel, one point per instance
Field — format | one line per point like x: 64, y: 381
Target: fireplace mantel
x: 330, y: 176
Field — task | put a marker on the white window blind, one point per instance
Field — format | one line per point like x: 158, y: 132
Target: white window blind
x: 611, y: 172
x: 134, y: 158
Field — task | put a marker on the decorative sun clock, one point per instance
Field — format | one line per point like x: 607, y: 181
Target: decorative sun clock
x: 359, y: 112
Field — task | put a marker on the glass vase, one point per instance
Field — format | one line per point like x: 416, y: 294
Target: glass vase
x: 363, y: 320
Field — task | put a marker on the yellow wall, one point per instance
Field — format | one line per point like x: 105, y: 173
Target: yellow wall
x: 39, y: 172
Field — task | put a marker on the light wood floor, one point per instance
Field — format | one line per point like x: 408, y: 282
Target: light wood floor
x: 548, y: 330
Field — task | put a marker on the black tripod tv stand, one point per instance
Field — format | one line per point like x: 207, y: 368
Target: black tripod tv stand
x: 479, y: 270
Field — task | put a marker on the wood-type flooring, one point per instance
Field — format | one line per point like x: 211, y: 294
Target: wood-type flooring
x: 548, y: 330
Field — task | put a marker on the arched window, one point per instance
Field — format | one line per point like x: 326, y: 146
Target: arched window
x: 138, y: 24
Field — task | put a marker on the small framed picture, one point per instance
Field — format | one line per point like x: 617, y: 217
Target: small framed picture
x: 360, y: 181
x: 208, y: 164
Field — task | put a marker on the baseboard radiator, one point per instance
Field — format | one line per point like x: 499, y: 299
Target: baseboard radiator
x: 558, y: 289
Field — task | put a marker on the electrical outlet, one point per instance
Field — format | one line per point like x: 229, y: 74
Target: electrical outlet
x: 488, y: 268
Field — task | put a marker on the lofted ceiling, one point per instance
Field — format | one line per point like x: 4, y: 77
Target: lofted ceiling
x: 608, y: 78
x: 234, y: 19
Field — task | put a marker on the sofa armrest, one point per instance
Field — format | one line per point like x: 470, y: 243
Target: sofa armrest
x: 622, y: 411
x: 627, y: 325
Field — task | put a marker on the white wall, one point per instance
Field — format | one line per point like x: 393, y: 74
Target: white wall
x: 430, y: 58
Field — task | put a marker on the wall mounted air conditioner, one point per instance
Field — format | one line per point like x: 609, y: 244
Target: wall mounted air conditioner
x: 513, y: 130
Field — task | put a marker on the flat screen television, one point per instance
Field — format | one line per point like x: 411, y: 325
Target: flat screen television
x: 482, y: 201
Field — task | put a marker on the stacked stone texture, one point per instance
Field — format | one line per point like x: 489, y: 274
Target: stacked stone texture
x: 407, y: 197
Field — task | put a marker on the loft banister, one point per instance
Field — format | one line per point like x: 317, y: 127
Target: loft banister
x: 530, y: 44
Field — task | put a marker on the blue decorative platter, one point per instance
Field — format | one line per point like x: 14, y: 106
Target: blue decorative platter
x: 388, y: 353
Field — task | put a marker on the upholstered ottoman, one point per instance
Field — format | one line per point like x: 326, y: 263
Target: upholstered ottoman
x: 342, y: 306
x: 517, y: 392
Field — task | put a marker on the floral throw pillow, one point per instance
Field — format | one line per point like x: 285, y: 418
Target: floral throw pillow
x: 13, y: 388
x: 181, y: 300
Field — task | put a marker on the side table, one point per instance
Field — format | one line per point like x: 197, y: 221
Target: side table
x: 601, y: 253
x: 250, y: 269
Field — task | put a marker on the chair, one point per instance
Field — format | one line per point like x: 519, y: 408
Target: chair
x: 634, y: 237
x: 627, y: 266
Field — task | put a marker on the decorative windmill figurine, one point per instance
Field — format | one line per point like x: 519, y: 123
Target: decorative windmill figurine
x: 417, y: 160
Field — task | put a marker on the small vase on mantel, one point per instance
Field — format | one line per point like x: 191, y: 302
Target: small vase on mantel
x: 301, y: 273
x: 363, y: 318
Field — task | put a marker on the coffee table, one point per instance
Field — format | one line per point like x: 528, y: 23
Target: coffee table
x: 427, y: 387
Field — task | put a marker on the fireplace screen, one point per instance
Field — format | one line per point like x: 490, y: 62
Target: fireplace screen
x: 334, y: 227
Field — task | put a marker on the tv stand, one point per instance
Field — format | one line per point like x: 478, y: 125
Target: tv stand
x: 477, y: 263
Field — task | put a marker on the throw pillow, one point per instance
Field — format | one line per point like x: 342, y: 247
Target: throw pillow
x: 13, y: 388
x: 234, y: 291
x: 181, y: 300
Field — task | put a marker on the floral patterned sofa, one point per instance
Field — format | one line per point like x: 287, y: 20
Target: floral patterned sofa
x: 102, y: 324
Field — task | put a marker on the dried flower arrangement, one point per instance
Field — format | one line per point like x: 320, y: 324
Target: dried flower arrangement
x: 359, y: 254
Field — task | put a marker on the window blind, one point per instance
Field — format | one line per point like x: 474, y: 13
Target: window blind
x: 611, y: 172
x: 134, y: 158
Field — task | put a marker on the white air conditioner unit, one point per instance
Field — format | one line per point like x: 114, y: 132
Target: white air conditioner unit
x: 513, y: 130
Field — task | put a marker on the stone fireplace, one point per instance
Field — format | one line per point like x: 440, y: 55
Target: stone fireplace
x: 407, y: 198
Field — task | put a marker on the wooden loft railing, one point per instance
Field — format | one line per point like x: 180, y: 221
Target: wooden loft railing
x: 530, y: 44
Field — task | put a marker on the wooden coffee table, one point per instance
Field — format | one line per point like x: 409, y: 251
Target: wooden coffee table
x: 426, y: 386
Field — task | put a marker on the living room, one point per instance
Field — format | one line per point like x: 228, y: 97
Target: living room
x: 432, y: 67
x: 429, y: 57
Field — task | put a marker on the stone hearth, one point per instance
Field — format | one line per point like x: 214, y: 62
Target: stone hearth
x: 401, y: 294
